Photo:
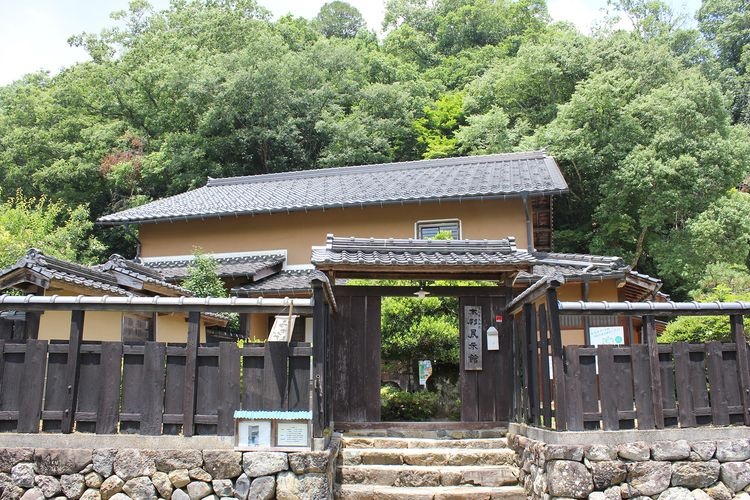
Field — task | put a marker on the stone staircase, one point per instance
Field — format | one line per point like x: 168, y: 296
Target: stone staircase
x: 439, y: 465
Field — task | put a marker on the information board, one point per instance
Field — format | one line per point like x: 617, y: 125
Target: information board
x: 282, y: 328
x: 292, y: 434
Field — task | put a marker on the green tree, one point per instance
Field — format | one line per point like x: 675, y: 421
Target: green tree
x: 439, y: 124
x: 51, y: 227
x: 339, y: 19
x: 203, y: 278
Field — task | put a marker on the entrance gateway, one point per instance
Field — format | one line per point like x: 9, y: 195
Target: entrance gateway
x: 352, y: 331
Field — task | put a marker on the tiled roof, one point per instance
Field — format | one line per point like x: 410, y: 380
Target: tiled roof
x: 286, y: 281
x: 229, y: 265
x: 575, y: 267
x: 415, y: 253
x: 52, y: 268
x: 472, y: 177
x: 139, y: 272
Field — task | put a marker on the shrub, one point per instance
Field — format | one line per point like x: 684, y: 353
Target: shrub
x: 400, y: 406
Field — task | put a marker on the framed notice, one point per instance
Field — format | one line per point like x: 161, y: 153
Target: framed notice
x: 254, y: 434
x: 472, y: 338
x: 604, y: 335
x: 292, y: 434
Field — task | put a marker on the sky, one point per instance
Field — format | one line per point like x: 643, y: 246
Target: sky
x: 34, y: 33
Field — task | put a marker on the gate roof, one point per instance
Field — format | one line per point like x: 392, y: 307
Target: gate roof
x: 427, y: 259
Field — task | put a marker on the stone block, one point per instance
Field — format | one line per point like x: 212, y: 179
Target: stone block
x: 72, y: 485
x: 637, y: 451
x: 222, y: 464
x: 649, y: 478
x: 302, y: 463
x: 180, y: 495
x: 12, y: 456
x: 23, y: 475
x: 563, y: 452
x: 141, y: 488
x: 198, y: 489
x: 179, y: 478
x: 169, y: 460
x: 736, y: 475
x: 600, y: 452
x: 56, y: 462
x: 242, y: 487
x: 695, y: 474
x: 290, y: 486
x: 199, y: 474
x: 719, y: 491
x: 569, y: 479
x: 162, y: 484
x: 131, y: 463
x: 677, y: 493
x: 49, y: 485
x: 223, y: 487
x: 262, y: 488
x: 670, y: 450
x: 256, y: 463
x: 111, y: 486
x: 734, y: 450
x: 608, y: 473
x: 103, y: 461
x: 33, y: 494
x: 91, y: 494
x: 702, y: 450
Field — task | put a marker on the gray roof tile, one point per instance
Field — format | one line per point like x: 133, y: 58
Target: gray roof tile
x: 415, y: 253
x: 247, y: 265
x: 472, y: 177
x: 286, y: 281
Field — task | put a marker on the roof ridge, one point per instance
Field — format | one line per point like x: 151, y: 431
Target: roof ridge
x: 37, y: 257
x: 374, y: 167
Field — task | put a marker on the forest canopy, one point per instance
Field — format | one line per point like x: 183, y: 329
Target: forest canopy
x: 650, y: 125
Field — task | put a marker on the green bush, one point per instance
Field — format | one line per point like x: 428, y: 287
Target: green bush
x: 404, y: 406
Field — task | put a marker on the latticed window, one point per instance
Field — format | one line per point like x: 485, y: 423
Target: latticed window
x: 430, y: 228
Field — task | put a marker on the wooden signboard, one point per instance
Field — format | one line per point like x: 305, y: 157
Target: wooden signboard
x: 472, y: 338
x: 282, y: 329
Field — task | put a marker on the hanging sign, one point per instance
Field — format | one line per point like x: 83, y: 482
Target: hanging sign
x: 472, y: 338
x: 282, y: 328
x: 425, y: 371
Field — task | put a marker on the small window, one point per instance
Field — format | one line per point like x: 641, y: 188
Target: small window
x: 430, y: 228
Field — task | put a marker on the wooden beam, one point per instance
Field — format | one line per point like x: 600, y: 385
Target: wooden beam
x: 72, y: 370
x: 649, y: 333
x: 743, y: 363
x: 191, y: 371
x: 409, y: 290
x: 319, y: 381
x: 558, y: 359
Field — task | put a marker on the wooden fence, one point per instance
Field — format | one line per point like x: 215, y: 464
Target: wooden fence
x: 148, y: 388
x: 638, y: 386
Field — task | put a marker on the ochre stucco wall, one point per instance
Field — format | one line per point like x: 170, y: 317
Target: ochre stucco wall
x: 298, y: 231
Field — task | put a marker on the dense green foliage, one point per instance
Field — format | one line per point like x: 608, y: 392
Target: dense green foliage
x: 400, y: 406
x: 203, y: 279
x: 51, y: 227
x: 648, y: 125
x: 721, y: 283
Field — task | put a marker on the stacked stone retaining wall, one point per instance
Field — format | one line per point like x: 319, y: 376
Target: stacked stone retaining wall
x: 184, y: 474
x: 663, y: 470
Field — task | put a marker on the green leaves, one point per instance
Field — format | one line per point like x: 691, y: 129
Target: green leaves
x: 203, y: 278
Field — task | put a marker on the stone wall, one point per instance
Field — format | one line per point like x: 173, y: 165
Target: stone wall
x: 184, y: 474
x: 664, y: 470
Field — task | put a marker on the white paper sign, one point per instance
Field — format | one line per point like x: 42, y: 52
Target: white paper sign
x: 282, y: 329
x: 254, y: 434
x: 291, y: 434
x: 472, y: 337
x: 603, y: 335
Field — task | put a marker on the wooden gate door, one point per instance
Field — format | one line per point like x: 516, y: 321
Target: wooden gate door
x: 356, y: 359
x: 486, y: 394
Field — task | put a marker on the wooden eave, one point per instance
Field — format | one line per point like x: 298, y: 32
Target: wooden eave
x: 431, y: 272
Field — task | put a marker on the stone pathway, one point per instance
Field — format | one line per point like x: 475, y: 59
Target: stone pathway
x: 430, y: 468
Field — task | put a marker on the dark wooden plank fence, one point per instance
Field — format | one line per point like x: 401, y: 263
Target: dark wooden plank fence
x: 637, y: 386
x: 143, y: 389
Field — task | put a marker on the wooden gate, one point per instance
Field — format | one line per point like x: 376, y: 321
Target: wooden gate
x: 486, y: 394
x: 356, y: 359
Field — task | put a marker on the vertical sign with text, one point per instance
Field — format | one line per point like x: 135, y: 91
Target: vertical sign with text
x: 472, y: 338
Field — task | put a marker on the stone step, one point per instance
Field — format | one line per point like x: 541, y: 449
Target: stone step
x: 395, y: 442
x: 417, y: 433
x: 427, y: 456
x: 368, y: 492
x: 420, y: 476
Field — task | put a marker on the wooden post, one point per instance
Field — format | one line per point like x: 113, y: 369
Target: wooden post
x: 32, y: 391
x: 31, y: 327
x: 586, y: 320
x: 649, y: 332
x: 743, y: 364
x: 229, y: 387
x: 558, y: 359
x: 319, y: 406
x: 72, y: 370
x: 529, y: 315
x: 191, y: 371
